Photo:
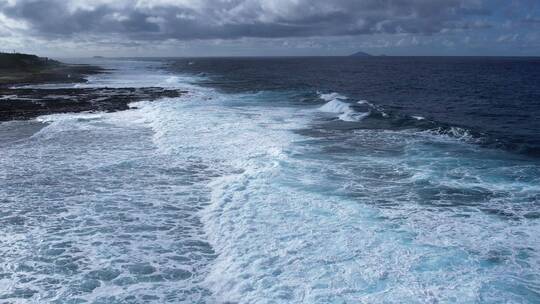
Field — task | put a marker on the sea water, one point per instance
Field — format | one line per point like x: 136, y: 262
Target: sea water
x: 249, y: 190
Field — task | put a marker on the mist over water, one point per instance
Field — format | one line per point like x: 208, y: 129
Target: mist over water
x: 245, y: 191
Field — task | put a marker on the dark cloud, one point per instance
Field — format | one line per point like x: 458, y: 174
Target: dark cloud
x: 55, y: 18
x: 208, y: 19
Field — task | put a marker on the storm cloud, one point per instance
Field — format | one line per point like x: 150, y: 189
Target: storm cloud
x: 229, y: 19
x: 284, y: 26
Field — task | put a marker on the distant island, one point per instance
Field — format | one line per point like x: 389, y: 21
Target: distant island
x: 360, y: 54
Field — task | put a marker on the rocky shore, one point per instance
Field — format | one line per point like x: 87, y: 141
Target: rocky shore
x: 22, y: 103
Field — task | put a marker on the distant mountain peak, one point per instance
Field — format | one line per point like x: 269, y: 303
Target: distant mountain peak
x: 361, y: 54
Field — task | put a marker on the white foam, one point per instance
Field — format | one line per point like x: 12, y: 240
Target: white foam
x: 346, y: 113
x: 69, y: 117
x: 454, y: 134
x: 97, y: 233
x: 127, y: 73
x: 8, y: 97
x: 15, y: 97
x: 290, y: 220
x: 332, y: 96
x: 336, y: 106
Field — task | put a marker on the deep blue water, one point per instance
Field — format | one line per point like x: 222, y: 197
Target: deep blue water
x: 495, y: 99
x: 281, y: 180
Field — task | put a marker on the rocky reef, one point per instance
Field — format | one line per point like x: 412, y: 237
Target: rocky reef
x: 18, y: 101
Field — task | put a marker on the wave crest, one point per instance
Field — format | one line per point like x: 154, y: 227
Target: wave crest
x: 345, y: 110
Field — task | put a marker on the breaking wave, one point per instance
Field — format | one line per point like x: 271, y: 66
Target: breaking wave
x: 217, y: 197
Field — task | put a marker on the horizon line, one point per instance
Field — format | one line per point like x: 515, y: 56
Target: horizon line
x: 301, y: 56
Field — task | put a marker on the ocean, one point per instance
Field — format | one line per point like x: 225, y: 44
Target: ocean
x: 281, y: 180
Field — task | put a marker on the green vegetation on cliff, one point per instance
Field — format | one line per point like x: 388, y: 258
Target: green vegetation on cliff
x: 16, y: 68
x: 25, y: 62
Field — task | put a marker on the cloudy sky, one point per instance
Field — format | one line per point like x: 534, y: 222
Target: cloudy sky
x: 71, y: 28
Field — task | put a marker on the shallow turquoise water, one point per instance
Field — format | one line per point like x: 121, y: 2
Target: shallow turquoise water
x: 221, y: 197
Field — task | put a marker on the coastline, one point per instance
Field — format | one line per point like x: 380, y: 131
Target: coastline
x: 53, y: 73
x: 20, y: 101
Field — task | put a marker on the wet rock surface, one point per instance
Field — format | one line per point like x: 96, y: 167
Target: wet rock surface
x: 28, y: 103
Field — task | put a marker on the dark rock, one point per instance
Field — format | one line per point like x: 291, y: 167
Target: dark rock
x: 24, y: 104
x: 27, y: 103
